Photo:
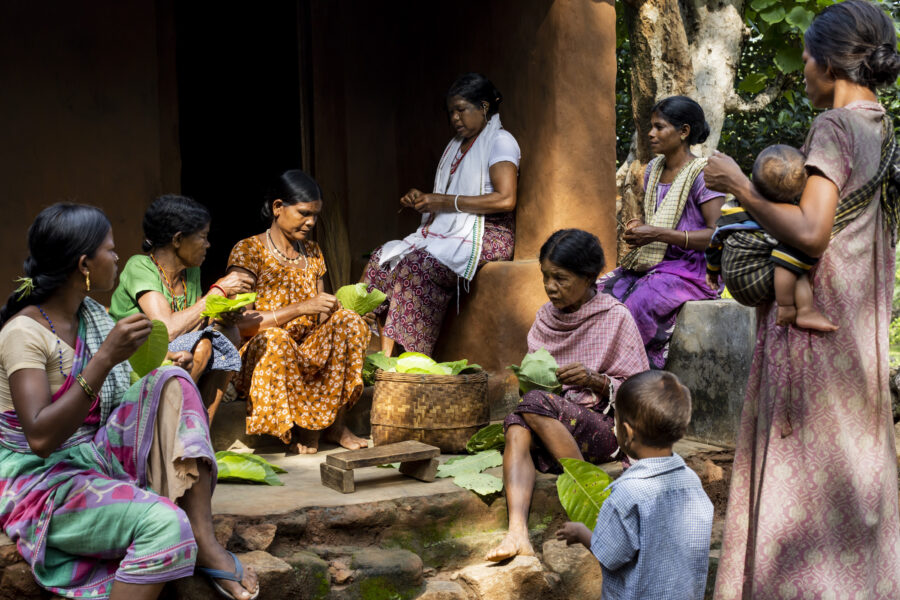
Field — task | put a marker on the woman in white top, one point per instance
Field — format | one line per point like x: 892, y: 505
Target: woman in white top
x: 467, y: 220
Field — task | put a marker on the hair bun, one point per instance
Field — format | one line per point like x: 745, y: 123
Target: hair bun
x: 702, y: 133
x: 882, y: 65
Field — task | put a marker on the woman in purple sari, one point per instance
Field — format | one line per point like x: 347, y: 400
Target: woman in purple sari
x: 104, y: 486
x: 667, y: 266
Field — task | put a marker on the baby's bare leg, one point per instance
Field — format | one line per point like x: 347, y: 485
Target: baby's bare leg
x: 807, y: 315
x: 785, y: 285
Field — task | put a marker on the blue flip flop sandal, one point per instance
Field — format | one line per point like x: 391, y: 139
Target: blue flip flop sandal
x: 238, y: 575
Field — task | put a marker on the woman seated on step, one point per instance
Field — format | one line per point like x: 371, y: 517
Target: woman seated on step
x: 302, y: 368
x: 104, y: 487
x: 595, y: 341
x: 164, y: 284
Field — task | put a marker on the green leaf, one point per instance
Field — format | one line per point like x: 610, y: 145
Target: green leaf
x: 800, y: 18
x: 486, y: 438
x: 483, y: 484
x: 234, y: 466
x: 773, y: 15
x: 753, y: 83
x: 153, y: 351
x: 416, y: 362
x: 789, y: 59
x: 217, y: 305
x: 376, y: 361
x: 761, y: 5
x: 537, y: 371
x: 356, y: 298
x: 475, y: 463
x: 582, y: 490
x: 460, y: 366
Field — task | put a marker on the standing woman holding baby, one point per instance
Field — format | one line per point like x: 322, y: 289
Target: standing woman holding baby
x: 813, y: 504
x: 667, y: 267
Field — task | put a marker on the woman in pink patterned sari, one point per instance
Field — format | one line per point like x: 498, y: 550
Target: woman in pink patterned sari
x: 813, y: 506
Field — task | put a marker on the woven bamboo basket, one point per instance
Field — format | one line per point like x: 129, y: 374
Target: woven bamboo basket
x: 441, y: 410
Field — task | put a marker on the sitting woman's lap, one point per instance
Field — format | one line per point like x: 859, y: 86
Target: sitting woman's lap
x: 592, y: 430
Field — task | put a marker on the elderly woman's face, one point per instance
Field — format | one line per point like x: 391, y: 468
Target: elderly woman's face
x: 466, y: 118
x: 296, y: 221
x: 564, y: 289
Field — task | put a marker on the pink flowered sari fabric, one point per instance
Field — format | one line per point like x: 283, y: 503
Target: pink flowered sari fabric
x: 813, y: 511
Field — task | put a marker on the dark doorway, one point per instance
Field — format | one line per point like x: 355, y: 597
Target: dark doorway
x: 239, y: 111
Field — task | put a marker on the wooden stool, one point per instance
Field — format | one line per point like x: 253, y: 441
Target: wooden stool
x: 416, y: 460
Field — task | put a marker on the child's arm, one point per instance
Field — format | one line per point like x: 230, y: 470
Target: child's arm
x: 575, y: 533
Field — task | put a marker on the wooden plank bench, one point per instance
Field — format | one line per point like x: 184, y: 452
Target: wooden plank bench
x: 416, y: 460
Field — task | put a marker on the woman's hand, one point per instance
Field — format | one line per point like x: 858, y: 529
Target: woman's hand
x: 632, y: 223
x: 236, y: 282
x: 320, y: 304
x: 183, y: 359
x: 640, y: 235
x: 409, y: 198
x: 722, y: 174
x: 574, y: 374
x: 125, y: 338
x: 431, y: 203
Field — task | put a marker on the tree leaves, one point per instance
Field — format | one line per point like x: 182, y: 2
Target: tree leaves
x: 772, y: 15
x: 789, y: 59
x: 152, y: 352
x: 800, y: 18
x: 582, y: 490
x: 753, y: 83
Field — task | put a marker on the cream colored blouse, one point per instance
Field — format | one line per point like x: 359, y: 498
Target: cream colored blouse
x: 26, y: 344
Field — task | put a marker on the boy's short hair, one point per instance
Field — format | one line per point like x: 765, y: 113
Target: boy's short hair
x: 657, y: 405
x: 779, y: 173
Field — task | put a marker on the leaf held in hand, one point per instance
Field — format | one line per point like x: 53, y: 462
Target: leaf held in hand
x: 152, y: 352
x: 538, y: 372
x: 486, y: 438
x: 582, y: 490
x: 356, y: 298
x: 217, y: 305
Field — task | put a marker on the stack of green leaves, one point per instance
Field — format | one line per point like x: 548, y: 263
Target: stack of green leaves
x: 413, y: 362
x: 466, y: 472
x: 358, y: 299
x: 238, y: 467
x: 217, y: 305
x: 487, y: 438
x: 582, y: 490
x: 538, y: 372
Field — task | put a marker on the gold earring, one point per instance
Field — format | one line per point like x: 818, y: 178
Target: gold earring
x: 87, y: 281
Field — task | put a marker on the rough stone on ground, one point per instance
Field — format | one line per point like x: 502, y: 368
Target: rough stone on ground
x: 454, y: 553
x: 255, y: 537
x: 313, y: 573
x: 223, y: 527
x: 277, y: 579
x: 292, y: 525
x: 578, y: 569
x: 9, y: 554
x: 19, y: 583
x: 522, y: 578
x: 443, y: 590
x: 400, y: 566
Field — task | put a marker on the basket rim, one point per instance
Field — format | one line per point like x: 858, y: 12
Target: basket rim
x: 426, y: 378
x: 458, y: 427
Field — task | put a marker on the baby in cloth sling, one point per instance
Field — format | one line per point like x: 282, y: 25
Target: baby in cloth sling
x: 755, y: 266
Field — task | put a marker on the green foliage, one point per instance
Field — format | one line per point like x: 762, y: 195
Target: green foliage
x: 773, y: 50
x: 217, y: 305
x: 243, y: 468
x: 152, y: 352
x: 356, y: 298
x: 413, y: 362
x: 537, y: 372
x: 581, y: 490
x: 487, y: 438
x: 467, y: 472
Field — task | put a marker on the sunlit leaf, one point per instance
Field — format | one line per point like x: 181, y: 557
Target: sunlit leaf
x: 537, y: 372
x: 483, y: 484
x: 358, y: 299
x: 753, y: 83
x: 475, y: 463
x: 152, y: 352
x: 240, y: 467
x: 217, y: 305
x: 582, y: 490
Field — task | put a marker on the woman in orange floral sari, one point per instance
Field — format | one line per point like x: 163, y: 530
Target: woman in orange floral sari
x: 302, y: 367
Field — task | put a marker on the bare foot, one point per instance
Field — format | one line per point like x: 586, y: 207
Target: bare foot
x: 215, y: 557
x: 785, y: 315
x: 345, y: 438
x: 514, y: 544
x: 304, y: 441
x: 810, y: 318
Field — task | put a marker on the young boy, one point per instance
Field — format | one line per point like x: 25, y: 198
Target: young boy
x: 755, y: 265
x: 652, y: 533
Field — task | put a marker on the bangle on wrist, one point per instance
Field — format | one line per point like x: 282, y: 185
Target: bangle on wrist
x: 86, y: 387
x: 687, y: 239
x: 275, y: 318
x: 456, y: 203
x: 216, y: 286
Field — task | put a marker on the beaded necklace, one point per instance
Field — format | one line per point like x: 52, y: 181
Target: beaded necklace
x: 301, y: 252
x: 58, y: 343
x: 460, y: 154
x: 173, y: 303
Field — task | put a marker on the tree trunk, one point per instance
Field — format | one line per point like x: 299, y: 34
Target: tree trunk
x: 691, y: 48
